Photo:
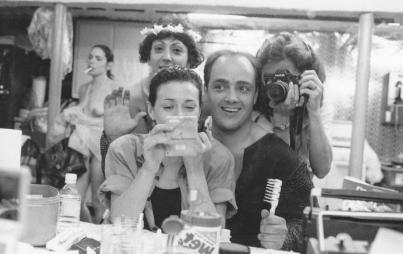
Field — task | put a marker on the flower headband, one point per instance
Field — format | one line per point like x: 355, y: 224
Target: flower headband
x: 171, y: 28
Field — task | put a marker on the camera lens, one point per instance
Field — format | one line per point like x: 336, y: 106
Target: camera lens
x: 277, y: 91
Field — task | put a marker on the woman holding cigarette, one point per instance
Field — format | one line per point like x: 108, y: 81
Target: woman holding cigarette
x: 87, y: 118
x: 141, y: 175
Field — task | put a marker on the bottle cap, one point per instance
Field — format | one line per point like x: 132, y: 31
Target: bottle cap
x: 70, y: 178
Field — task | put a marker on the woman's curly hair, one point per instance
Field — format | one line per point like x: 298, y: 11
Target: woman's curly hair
x: 195, y: 56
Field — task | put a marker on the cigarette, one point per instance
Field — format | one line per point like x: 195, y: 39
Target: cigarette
x: 88, y: 70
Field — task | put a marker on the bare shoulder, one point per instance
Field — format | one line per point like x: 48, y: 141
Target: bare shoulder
x: 218, y: 149
x: 84, y: 87
x: 82, y: 90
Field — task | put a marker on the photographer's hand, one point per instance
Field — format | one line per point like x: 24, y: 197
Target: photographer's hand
x: 313, y: 87
x: 320, y: 150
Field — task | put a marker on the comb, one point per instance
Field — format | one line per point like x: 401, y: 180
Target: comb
x: 272, y: 193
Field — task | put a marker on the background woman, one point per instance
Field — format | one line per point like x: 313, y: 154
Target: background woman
x: 87, y: 118
x: 173, y: 91
x: 286, y: 51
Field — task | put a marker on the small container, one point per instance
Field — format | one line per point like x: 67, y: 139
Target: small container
x: 123, y: 236
x: 70, y: 202
x: 201, y: 233
x: 42, y: 210
x: 393, y: 175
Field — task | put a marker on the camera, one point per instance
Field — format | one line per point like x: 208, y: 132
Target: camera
x: 277, y: 85
x: 183, y: 136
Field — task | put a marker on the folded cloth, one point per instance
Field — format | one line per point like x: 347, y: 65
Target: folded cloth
x: 87, y: 131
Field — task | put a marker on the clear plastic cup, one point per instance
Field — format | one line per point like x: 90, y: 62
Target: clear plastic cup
x: 121, y: 237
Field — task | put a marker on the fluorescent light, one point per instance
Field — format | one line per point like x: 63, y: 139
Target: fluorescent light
x: 210, y: 16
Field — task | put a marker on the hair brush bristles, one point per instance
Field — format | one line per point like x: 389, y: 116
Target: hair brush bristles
x: 272, y: 193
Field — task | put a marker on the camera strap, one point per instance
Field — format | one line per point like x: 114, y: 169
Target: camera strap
x: 296, y: 122
x: 292, y: 130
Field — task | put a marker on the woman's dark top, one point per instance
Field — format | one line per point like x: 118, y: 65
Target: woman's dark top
x: 270, y: 157
x: 165, y: 202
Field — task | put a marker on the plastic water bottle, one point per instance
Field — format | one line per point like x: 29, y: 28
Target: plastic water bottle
x: 70, y: 201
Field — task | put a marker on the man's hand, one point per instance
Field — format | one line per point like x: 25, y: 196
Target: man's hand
x: 273, y: 231
x: 117, y: 120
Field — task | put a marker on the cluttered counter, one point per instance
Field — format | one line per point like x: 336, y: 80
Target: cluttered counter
x: 92, y: 231
x: 367, y: 219
x: 96, y: 235
x: 325, y: 230
x: 37, y: 220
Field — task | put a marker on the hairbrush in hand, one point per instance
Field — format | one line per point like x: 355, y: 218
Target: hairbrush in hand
x: 272, y: 193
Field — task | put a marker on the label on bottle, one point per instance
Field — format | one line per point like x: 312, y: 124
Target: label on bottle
x: 70, y: 207
x: 199, y: 240
x: 201, y: 234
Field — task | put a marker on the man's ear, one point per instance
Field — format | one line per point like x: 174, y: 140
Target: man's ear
x: 255, y: 97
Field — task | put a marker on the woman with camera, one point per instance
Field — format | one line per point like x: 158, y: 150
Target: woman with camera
x: 141, y: 175
x: 292, y: 100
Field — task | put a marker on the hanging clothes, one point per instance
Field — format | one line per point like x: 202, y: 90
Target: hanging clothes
x: 40, y: 33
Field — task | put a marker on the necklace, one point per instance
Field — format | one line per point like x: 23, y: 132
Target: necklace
x: 281, y: 122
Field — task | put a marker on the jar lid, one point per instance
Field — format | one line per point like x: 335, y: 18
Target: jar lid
x: 172, y: 225
x: 201, y: 219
